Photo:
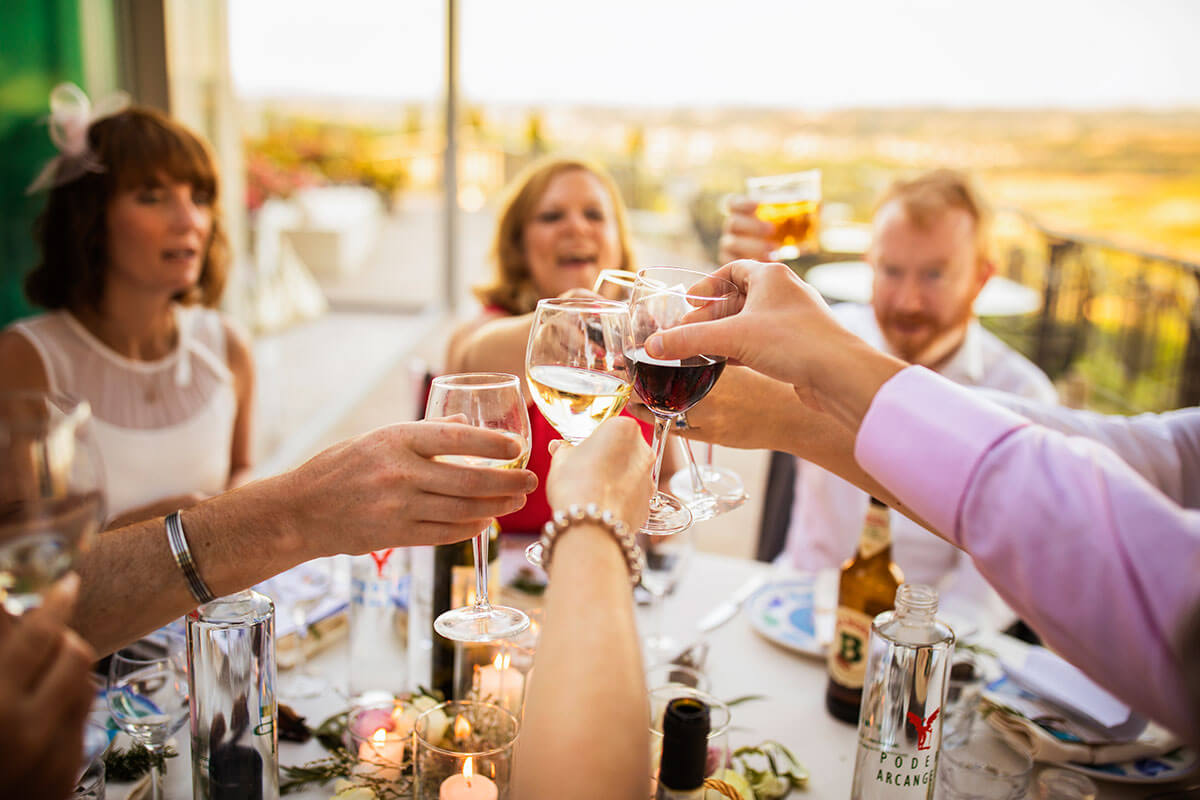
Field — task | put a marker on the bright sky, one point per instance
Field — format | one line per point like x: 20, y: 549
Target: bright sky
x: 803, y: 54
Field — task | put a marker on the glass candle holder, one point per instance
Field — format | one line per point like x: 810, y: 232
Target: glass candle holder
x: 462, y: 750
x: 380, y: 735
x: 496, y: 672
x: 718, y: 734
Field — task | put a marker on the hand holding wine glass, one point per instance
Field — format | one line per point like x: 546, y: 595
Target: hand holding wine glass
x: 663, y: 298
x: 489, y: 400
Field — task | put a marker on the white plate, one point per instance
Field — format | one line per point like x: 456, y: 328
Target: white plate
x: 786, y: 613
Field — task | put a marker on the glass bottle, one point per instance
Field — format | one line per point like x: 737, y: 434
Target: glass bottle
x: 900, y: 727
x: 231, y: 670
x: 866, y: 588
x: 686, y: 724
x: 454, y: 587
x: 379, y: 619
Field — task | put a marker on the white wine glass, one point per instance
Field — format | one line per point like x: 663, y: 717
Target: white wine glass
x: 148, y: 695
x: 575, y: 368
x: 491, y: 400
x: 51, y: 492
x: 615, y: 284
x: 664, y: 297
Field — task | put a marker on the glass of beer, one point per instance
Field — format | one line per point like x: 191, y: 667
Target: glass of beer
x: 790, y: 203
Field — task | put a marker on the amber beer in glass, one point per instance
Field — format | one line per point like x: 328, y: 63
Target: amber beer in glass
x: 867, y: 587
x: 791, y: 203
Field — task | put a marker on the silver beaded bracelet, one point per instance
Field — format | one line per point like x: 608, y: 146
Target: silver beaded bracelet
x: 561, y: 520
x: 183, y: 558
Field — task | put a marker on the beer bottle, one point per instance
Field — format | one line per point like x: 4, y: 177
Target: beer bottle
x: 867, y: 587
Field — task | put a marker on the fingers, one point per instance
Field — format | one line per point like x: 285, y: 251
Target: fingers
x: 743, y: 222
x: 430, y: 438
x: 731, y: 246
x: 710, y: 338
x: 737, y: 204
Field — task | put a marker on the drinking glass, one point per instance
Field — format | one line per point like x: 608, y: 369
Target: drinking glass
x: 308, y: 585
x: 148, y: 696
x: 575, y: 363
x: 664, y: 297
x: 490, y: 400
x: 983, y: 767
x: 708, y: 490
x: 790, y: 203
x: 667, y: 559
x: 51, y: 492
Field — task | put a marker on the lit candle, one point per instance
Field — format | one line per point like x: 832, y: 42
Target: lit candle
x: 500, y: 684
x: 468, y: 786
x: 383, y: 754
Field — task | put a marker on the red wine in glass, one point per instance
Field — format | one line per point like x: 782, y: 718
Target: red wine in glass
x: 672, y: 387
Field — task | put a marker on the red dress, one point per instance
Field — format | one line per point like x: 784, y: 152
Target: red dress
x: 536, y: 512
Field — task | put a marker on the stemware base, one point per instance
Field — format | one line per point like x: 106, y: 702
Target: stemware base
x: 668, y: 515
x: 302, y: 686
x: 725, y: 491
x: 481, y: 623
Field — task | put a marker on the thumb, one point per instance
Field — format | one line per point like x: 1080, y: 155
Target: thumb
x: 60, y: 599
x: 709, y: 338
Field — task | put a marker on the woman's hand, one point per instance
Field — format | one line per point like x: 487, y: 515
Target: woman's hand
x: 386, y: 488
x: 45, y: 696
x: 610, y: 468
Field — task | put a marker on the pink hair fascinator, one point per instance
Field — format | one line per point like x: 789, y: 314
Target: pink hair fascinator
x: 71, y: 114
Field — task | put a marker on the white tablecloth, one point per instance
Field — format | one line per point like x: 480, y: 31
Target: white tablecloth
x: 740, y: 662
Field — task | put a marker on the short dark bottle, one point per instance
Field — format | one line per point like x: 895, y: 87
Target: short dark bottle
x: 686, y: 725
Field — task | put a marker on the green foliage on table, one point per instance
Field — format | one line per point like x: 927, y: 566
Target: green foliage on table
x: 123, y: 766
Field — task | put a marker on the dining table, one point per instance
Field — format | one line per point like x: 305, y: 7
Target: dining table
x: 740, y: 661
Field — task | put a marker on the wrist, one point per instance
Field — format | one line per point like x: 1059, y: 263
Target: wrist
x: 845, y: 380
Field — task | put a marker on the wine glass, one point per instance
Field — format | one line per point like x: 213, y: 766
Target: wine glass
x: 664, y: 297
x: 667, y: 559
x: 707, y: 490
x: 575, y: 363
x: 51, y: 492
x: 490, y: 400
x: 307, y: 585
x: 148, y: 695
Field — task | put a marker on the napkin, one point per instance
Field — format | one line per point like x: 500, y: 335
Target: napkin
x: 1027, y: 736
x: 1051, y: 678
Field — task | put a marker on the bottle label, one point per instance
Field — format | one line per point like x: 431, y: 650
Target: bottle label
x: 897, y: 773
x: 876, y: 533
x: 848, y: 651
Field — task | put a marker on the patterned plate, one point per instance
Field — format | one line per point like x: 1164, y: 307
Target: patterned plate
x: 785, y: 613
x: 1160, y: 769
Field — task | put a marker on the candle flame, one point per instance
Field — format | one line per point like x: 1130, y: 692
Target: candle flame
x: 468, y: 769
x: 502, y: 661
x: 462, y: 729
x: 379, y: 737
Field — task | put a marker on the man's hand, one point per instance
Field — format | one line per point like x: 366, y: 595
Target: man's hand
x: 45, y: 696
x: 385, y: 488
x: 744, y: 235
x: 610, y: 468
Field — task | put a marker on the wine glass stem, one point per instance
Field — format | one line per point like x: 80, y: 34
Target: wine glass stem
x: 698, y: 487
x: 300, y: 618
x: 155, y: 775
x: 480, y: 545
x: 662, y: 427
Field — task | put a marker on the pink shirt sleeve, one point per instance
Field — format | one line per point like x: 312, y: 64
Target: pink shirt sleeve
x: 1099, y: 562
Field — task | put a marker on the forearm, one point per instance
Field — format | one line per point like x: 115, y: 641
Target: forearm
x: 588, y: 685
x: 131, y: 584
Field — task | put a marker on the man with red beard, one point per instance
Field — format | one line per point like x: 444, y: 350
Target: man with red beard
x: 930, y: 258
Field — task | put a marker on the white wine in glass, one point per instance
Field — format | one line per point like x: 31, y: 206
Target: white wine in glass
x: 51, y: 492
x: 489, y: 400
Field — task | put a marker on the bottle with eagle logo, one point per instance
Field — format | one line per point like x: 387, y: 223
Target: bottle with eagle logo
x: 900, y: 726
x: 866, y: 587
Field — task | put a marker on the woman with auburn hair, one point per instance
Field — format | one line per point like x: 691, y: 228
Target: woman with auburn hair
x: 133, y: 263
x: 562, y: 221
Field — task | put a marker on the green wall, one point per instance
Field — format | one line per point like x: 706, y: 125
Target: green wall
x: 41, y: 44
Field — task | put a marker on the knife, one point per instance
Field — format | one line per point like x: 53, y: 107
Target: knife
x: 726, y: 610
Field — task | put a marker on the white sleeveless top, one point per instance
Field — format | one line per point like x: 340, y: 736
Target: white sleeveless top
x: 163, y: 427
